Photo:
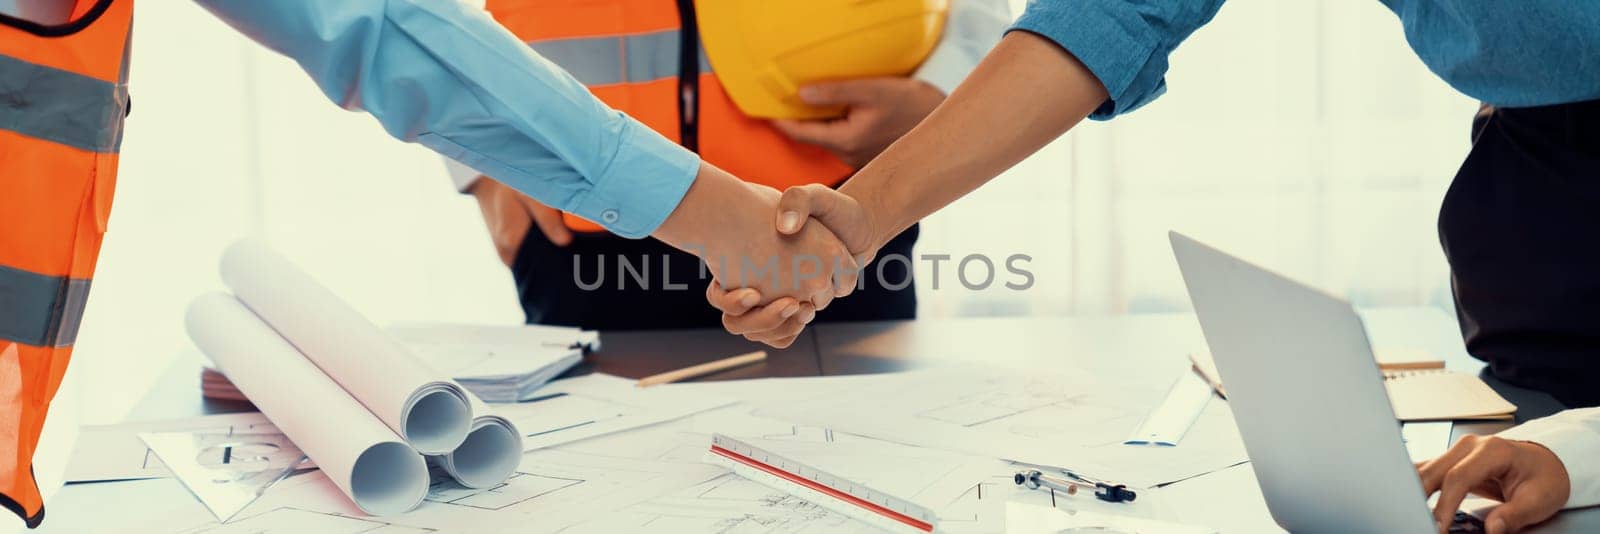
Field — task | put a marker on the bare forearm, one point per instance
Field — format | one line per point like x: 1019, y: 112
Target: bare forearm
x: 1024, y: 94
x: 714, y: 202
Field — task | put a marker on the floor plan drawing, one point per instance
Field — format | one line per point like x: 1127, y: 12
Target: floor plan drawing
x: 115, y: 452
x: 1054, y: 418
x: 552, y: 489
x: 1039, y: 408
x: 288, y: 520
x: 566, y: 411
x: 725, y: 504
x: 593, y: 405
x: 518, y: 488
x: 226, y: 471
x: 982, y: 507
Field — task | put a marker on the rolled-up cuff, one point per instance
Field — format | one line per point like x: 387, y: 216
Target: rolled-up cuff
x: 1115, y: 52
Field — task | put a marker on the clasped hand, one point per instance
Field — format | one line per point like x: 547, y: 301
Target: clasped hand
x: 728, y: 223
x: 754, y: 314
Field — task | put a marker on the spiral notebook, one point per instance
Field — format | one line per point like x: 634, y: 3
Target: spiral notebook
x: 1440, y: 394
x: 1419, y: 386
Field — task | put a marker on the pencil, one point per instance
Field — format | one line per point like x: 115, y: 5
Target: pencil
x: 702, y: 369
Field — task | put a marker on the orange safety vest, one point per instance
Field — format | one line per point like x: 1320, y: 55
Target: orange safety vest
x: 643, y: 57
x: 63, y: 94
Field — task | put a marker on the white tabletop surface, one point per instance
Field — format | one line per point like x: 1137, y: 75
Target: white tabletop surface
x: 1227, y: 500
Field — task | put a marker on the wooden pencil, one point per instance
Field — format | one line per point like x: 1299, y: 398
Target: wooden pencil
x: 702, y: 369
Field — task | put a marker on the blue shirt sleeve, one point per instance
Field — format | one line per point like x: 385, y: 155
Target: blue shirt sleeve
x: 1125, y: 43
x: 447, y: 76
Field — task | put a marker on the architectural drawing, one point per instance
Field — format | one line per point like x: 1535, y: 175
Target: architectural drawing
x: 1039, y: 409
x: 288, y: 520
x: 565, y: 411
x: 674, y: 441
x: 1042, y: 417
x: 982, y: 508
x: 115, y: 452
x: 226, y: 471
x: 519, y: 488
x: 724, y: 504
x: 594, y: 405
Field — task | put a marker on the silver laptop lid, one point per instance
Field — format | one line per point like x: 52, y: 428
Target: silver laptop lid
x: 1308, y: 397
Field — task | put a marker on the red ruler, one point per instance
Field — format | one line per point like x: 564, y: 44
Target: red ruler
x: 824, y: 489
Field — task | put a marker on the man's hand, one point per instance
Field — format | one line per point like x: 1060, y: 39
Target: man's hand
x: 777, y: 324
x: 1529, y: 479
x: 509, y: 214
x: 780, y: 322
x: 728, y: 223
x: 877, y: 112
x: 840, y: 213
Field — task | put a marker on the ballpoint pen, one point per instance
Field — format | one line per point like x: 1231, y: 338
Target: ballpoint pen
x: 1034, y: 479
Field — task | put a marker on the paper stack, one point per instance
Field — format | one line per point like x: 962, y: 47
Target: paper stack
x: 496, y: 363
x: 356, y: 401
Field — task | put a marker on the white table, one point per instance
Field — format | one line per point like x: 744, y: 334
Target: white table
x: 1228, y: 500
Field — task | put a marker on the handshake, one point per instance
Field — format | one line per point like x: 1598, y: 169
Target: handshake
x: 776, y: 258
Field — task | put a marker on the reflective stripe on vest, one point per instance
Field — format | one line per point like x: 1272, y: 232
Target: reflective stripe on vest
x: 39, y: 310
x: 63, y: 95
x: 56, y: 105
x: 596, y: 61
x: 627, y: 53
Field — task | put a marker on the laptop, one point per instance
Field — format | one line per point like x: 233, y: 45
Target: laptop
x: 1327, y: 451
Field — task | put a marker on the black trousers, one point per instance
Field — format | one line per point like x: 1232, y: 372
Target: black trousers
x: 585, y: 284
x: 1521, y: 228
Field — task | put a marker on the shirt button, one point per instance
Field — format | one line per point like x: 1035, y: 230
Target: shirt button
x: 609, y: 216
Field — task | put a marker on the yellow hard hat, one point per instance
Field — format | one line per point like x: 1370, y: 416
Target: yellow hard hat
x: 763, y: 51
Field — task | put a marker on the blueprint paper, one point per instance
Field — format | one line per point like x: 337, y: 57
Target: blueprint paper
x: 761, y: 393
x: 550, y: 491
x: 650, y: 476
x: 893, y: 480
x: 724, y: 502
x: 489, y: 454
x: 1066, y: 420
x: 930, y: 478
x: 380, y: 473
x: 969, y: 493
x: 730, y: 503
x: 418, y: 403
x: 597, y: 404
x: 115, y: 452
x: 226, y: 472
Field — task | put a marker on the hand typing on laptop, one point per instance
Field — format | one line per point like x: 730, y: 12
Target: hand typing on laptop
x: 1531, y: 481
x: 1252, y: 317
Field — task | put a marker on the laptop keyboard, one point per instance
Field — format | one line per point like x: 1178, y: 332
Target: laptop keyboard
x: 1466, y: 523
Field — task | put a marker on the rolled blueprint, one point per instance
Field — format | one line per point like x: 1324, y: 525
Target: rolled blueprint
x: 490, y: 453
x: 420, y: 404
x: 365, y: 458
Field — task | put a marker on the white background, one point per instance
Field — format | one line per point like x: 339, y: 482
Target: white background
x: 1305, y: 135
